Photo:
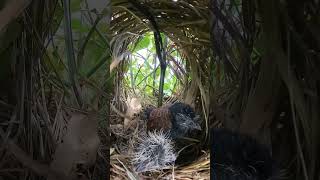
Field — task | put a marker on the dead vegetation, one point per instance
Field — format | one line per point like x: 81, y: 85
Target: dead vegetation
x: 189, y: 33
x: 251, y: 66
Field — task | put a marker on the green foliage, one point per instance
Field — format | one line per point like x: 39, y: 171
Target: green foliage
x: 57, y: 18
x: 75, y: 5
x: 91, y: 50
x: 78, y: 26
x: 144, y: 43
x: 142, y: 67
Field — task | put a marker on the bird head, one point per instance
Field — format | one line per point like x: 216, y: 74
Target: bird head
x: 185, y: 119
x: 154, y: 152
x: 187, y: 123
x: 183, y: 109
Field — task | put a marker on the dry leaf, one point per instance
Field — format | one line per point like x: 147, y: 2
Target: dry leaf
x: 79, y: 146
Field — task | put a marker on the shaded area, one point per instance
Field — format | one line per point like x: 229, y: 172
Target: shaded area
x: 52, y: 110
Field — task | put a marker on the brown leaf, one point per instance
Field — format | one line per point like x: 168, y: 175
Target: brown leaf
x: 79, y: 146
x: 11, y: 11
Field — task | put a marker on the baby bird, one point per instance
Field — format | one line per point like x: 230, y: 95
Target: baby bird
x: 177, y: 119
x: 239, y: 157
x: 165, y: 125
x: 154, y: 152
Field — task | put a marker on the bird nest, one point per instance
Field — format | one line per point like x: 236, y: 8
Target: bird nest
x: 126, y: 129
x: 121, y: 169
x: 186, y: 24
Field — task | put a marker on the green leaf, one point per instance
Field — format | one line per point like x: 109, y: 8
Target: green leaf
x: 142, y: 44
x: 92, y: 55
x: 57, y: 18
x: 75, y: 5
x: 76, y: 25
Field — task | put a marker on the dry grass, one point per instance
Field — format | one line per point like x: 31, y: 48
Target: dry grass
x: 185, y: 23
x: 240, y: 75
x: 199, y: 169
x: 226, y: 83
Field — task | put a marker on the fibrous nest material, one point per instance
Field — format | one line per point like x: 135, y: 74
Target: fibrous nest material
x: 186, y: 24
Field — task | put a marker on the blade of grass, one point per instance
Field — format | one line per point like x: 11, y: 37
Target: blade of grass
x: 70, y: 52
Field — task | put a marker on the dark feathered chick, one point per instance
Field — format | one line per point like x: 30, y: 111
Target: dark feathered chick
x: 178, y: 119
x: 239, y: 157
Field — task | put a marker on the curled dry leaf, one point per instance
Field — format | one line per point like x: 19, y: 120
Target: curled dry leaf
x: 134, y: 107
x: 79, y: 146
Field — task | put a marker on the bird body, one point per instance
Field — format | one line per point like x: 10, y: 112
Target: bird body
x: 160, y: 118
x: 178, y: 119
x: 239, y: 157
